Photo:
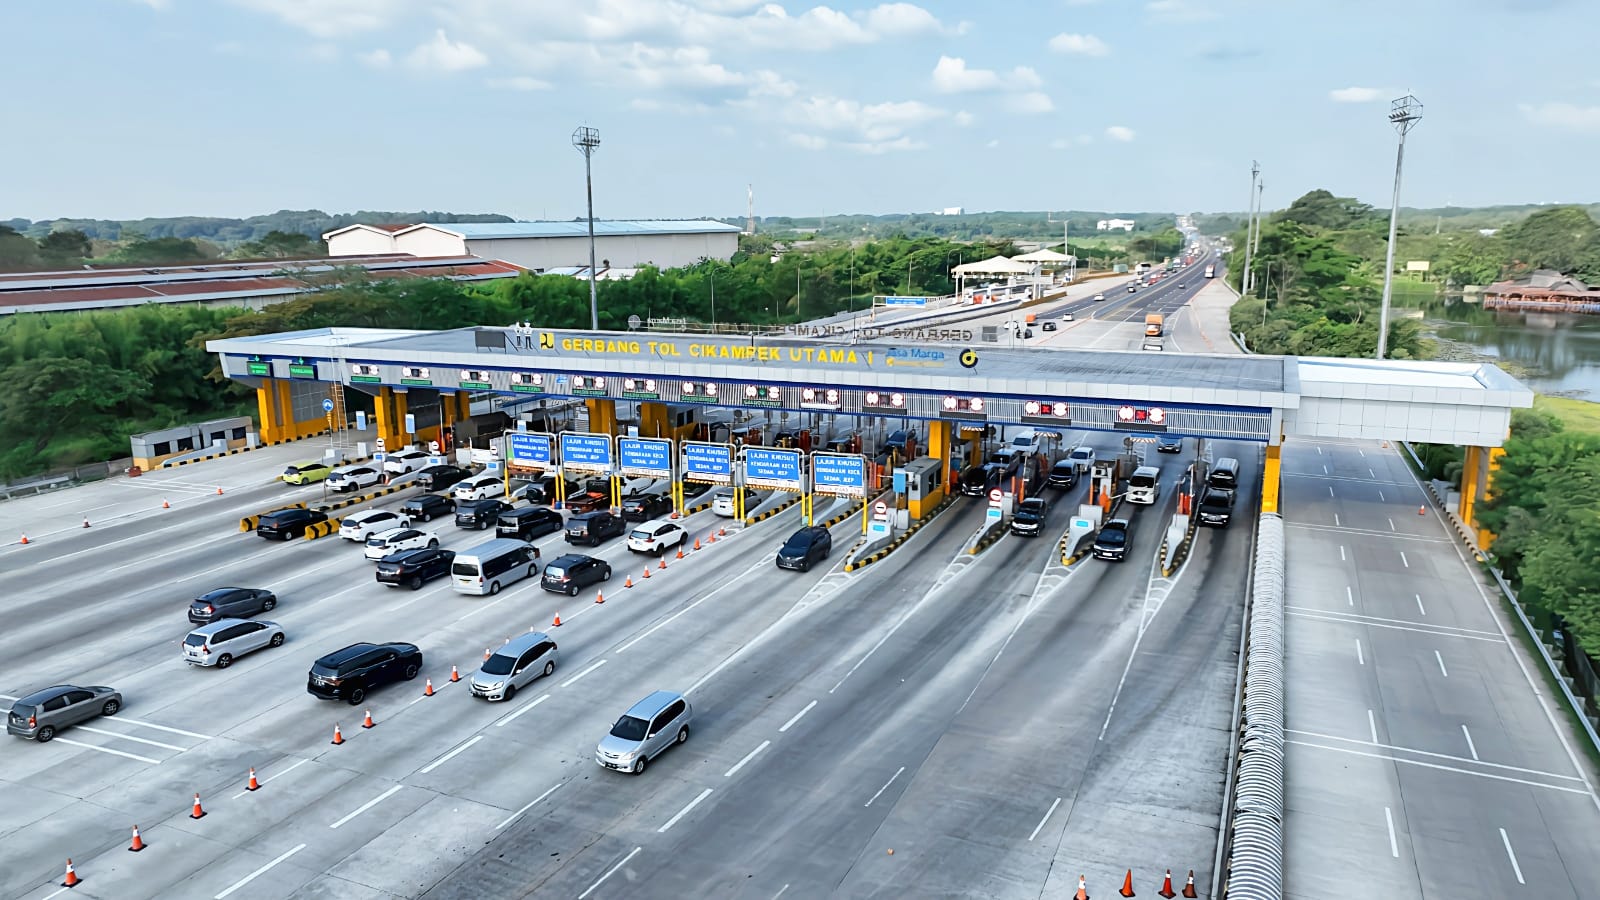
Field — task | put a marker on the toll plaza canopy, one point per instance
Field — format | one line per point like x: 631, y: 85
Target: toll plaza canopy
x: 934, y: 374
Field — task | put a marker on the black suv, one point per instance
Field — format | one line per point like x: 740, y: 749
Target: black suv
x: 1028, y: 520
x: 1216, y: 507
x: 412, y: 567
x: 804, y: 547
x: 441, y: 477
x: 480, y: 514
x: 230, y: 603
x: 426, y: 506
x: 594, y: 528
x: 288, y: 523
x: 573, y: 572
x: 644, y: 507
x: 1063, y: 476
x: 528, y: 522
x: 349, y: 673
x: 1112, y: 542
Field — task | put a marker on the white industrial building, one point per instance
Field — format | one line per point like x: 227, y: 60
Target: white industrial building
x: 548, y: 245
x: 1115, y: 225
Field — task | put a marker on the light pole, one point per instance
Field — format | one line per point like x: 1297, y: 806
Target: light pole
x: 1403, y: 114
x: 587, y: 140
x: 1249, y: 228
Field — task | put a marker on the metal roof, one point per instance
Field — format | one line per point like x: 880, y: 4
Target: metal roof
x: 483, y: 231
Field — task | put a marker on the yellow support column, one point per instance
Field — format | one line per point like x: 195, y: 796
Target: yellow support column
x: 1485, y: 536
x: 291, y: 429
x: 463, y: 405
x: 402, y: 438
x: 653, y: 420
x: 939, y: 448
x: 271, y: 416
x: 602, y: 416
x: 1471, y: 475
x: 1269, y: 480
x: 383, y: 415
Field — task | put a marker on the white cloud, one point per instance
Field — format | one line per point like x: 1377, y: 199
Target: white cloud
x: 963, y: 119
x: 519, y: 83
x: 444, y: 55
x: 1178, y: 11
x: 951, y: 76
x: 767, y: 83
x: 1120, y: 133
x: 330, y: 18
x: 1030, y: 103
x: 689, y: 67
x: 378, y: 59
x: 1565, y: 116
x: 1358, y: 94
x: 993, y: 143
x: 873, y: 122
x: 876, y: 148
x: 901, y: 18
x: 1024, y: 78
x: 808, y: 141
x: 1079, y: 44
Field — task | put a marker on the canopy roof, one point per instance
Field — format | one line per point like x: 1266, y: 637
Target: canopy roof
x: 996, y: 265
x: 1044, y: 255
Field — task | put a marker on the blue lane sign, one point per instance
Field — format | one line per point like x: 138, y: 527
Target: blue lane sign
x: 839, y: 474
x: 768, y: 468
x: 327, y: 404
x: 584, y: 452
x: 905, y: 301
x: 712, y: 463
x: 531, y: 449
x: 644, y: 457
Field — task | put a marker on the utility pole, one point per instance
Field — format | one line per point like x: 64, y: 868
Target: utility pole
x: 1403, y: 114
x: 1261, y: 189
x: 1249, y: 228
x: 587, y: 140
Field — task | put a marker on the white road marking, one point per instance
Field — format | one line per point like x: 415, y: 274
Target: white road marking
x: 1349, y: 595
x: 1372, y: 473
x: 1391, y: 525
x: 1362, y: 452
x: 1441, y: 664
x: 451, y: 755
x: 1428, y: 765
x: 1342, y: 617
x: 1341, y: 553
x: 780, y: 892
x: 1471, y: 748
x: 368, y: 805
x: 1512, y: 855
x: 610, y: 872
x: 1404, y: 560
x: 9, y: 697
x: 790, y: 724
x: 739, y: 581
x: 1360, y: 657
x: 1319, y: 449
x: 711, y: 674
x: 512, y: 717
x: 881, y: 641
x: 685, y: 811
x: 1386, y: 535
x: 129, y: 737
x: 748, y: 756
x: 1381, y: 497
x: 1365, y: 619
x: 513, y: 817
x: 574, y: 679
x: 197, y: 736
x: 263, y: 781
x: 1420, y: 607
x: 259, y: 872
x: 885, y: 786
x: 1372, y: 725
x: 1415, y: 752
x: 57, y: 891
x: 1330, y: 490
x: 153, y: 762
x: 1047, y: 814
x: 1336, y: 520
x: 1394, y: 846
x: 1324, y: 469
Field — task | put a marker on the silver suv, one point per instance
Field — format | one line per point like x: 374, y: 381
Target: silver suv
x: 520, y: 661
x: 647, y: 728
x: 42, y: 713
x: 221, y: 642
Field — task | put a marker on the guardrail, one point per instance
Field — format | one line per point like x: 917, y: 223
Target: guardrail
x: 1254, y: 835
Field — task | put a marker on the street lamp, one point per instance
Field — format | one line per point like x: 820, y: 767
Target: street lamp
x: 587, y: 140
x: 1403, y: 114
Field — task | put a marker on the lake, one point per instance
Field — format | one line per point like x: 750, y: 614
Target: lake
x: 1553, y: 354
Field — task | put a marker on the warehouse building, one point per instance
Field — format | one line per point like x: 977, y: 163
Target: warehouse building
x: 543, y: 246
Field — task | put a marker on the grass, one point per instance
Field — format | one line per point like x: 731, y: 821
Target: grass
x: 1577, y: 415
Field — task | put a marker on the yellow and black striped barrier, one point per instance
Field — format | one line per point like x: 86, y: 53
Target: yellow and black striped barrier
x: 851, y: 510
x: 773, y: 511
x: 904, y: 536
x: 992, y: 534
x: 238, y: 450
x: 363, y: 498
x: 249, y: 523
x: 699, y: 507
x: 1183, y: 547
x: 321, y: 529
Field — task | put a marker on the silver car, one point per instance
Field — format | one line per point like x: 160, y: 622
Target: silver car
x: 521, y: 660
x: 41, y: 714
x: 221, y: 642
x: 647, y: 728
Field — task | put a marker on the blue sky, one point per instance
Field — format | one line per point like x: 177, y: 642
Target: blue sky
x: 128, y: 108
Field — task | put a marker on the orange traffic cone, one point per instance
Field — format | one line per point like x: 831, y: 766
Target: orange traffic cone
x: 557, y: 622
x: 1188, y: 889
x: 1127, y: 884
x: 697, y: 543
x: 1421, y: 511
x: 219, y: 489
x: 1166, y: 887
x: 629, y: 582
x: 1083, y: 892
x: 338, y: 736
x: 368, y: 723
x: 200, y: 813
x: 427, y: 690
x: 24, y: 539
x: 72, y: 878
x: 138, y: 842
x: 680, y: 551
x: 486, y: 653
x: 711, y: 538
x: 253, y: 784
x: 599, y: 597
x: 663, y: 564
x: 646, y: 571
x: 454, y: 675
x: 722, y: 532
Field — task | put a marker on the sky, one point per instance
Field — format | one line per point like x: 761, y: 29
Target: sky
x: 132, y: 108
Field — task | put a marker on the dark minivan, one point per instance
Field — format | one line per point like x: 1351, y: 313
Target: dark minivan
x: 594, y: 528
x: 1063, y: 475
x: 427, y: 506
x: 230, y: 603
x: 288, y: 523
x: 441, y: 477
x: 528, y: 522
x: 572, y: 572
x: 1112, y: 542
x: 347, y: 674
x: 1225, y: 474
x: 804, y: 547
x: 1216, y: 507
x: 480, y: 514
x: 412, y: 567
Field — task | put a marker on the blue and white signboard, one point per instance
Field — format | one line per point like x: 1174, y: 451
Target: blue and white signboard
x: 327, y: 405
x: 839, y: 474
x: 530, y: 449
x: 775, y: 469
x: 361, y: 420
x: 710, y: 463
x: 644, y: 457
x: 585, y: 452
x: 905, y: 301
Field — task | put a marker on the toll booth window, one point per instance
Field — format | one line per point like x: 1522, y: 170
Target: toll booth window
x: 238, y: 433
x: 218, y: 435
x: 185, y: 443
x: 163, y: 448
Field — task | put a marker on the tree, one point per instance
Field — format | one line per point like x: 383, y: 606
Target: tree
x: 17, y: 253
x: 63, y: 249
x: 161, y: 251
x: 1472, y: 259
x: 1557, y: 238
x: 282, y: 244
x: 1321, y: 209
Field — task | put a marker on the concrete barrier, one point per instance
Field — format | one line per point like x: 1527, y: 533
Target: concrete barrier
x: 897, y: 540
x: 772, y: 511
x: 322, y: 529
x: 360, y: 498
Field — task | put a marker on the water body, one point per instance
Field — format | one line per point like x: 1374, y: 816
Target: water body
x: 1553, y: 354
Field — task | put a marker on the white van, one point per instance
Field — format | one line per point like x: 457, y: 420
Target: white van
x: 1145, y: 485
x: 492, y: 565
x: 478, y: 487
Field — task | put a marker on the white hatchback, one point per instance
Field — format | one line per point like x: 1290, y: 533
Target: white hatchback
x: 395, y: 540
x: 368, y: 522
x: 657, y: 536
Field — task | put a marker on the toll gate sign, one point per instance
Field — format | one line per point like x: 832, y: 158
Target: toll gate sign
x: 707, y: 463
x: 585, y: 452
x: 530, y: 449
x: 644, y: 457
x: 839, y: 474
x: 775, y: 469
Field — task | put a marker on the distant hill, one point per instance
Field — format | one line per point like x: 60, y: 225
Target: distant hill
x: 1414, y: 219
x: 227, y: 232
x: 966, y: 226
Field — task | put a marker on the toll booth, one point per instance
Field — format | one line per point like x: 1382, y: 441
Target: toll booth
x: 921, y: 485
x: 1104, y: 478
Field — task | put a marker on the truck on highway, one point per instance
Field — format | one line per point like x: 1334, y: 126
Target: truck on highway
x: 1211, y: 271
x: 1152, y: 325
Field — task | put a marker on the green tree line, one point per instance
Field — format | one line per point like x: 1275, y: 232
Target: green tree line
x: 72, y: 249
x: 312, y: 223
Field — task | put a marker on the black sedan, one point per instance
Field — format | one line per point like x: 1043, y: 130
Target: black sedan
x: 413, y: 567
x: 644, y: 507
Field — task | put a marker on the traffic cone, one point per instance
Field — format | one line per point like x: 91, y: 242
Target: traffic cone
x: 486, y: 653
x: 253, y: 784
x: 680, y: 551
x: 454, y: 675
x: 629, y: 582
x: 1127, y: 884
x: 165, y: 505
x: 201, y: 814
x: 72, y: 878
x: 557, y: 622
x: 1422, y: 510
x: 599, y: 597
x: 711, y: 538
x: 138, y: 842
x: 646, y: 572
x: 368, y: 723
x: 219, y: 490
x: 1083, y: 892
x: 24, y: 539
x: 722, y: 532
x: 86, y: 521
x: 427, y: 690
x: 663, y: 564
x: 1188, y: 889
x: 338, y: 737
x: 697, y: 543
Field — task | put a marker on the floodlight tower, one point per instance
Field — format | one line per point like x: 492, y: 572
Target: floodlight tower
x: 587, y: 140
x: 1403, y: 114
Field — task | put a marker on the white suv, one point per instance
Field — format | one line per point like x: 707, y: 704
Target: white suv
x: 656, y: 537
x: 353, y: 478
x: 396, y: 539
x: 402, y: 461
x: 368, y: 522
x: 479, y: 487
